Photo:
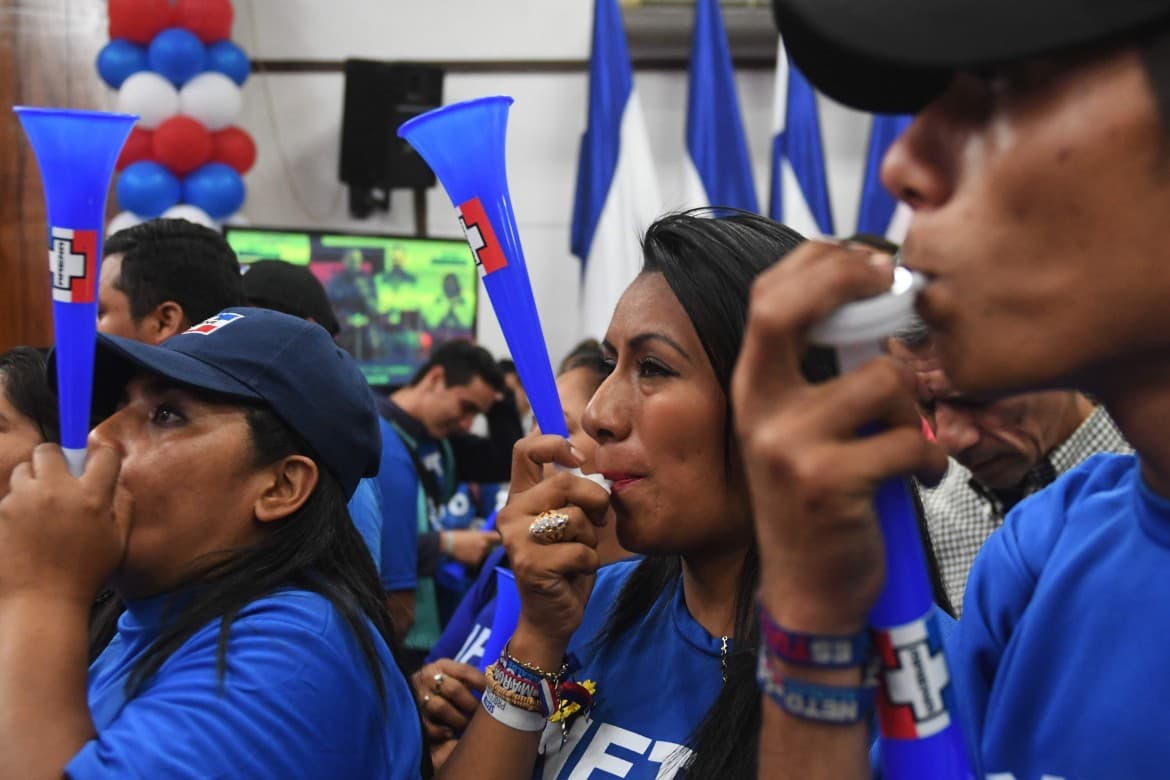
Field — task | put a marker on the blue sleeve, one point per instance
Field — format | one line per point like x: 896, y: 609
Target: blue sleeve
x: 365, y: 508
x: 463, y: 620
x: 999, y: 589
x: 297, y: 700
x: 400, y: 505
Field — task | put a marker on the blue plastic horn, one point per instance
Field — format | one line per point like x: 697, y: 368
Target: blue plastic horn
x: 920, y: 734
x: 76, y: 152
x: 464, y: 145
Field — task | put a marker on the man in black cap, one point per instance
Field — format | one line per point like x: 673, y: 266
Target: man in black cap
x: 1038, y: 168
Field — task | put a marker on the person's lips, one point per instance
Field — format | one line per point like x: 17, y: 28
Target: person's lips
x: 621, y: 481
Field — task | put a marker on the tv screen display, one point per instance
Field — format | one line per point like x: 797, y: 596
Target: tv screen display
x: 396, y: 297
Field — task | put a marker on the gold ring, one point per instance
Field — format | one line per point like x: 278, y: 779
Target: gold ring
x: 438, y: 677
x: 549, y: 527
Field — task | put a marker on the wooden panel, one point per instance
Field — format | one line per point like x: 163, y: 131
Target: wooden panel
x: 47, y: 52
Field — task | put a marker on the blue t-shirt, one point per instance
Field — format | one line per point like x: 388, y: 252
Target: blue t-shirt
x: 469, y: 629
x: 365, y: 509
x: 653, y: 688
x: 1059, y: 664
x: 297, y: 700
x: 400, y: 489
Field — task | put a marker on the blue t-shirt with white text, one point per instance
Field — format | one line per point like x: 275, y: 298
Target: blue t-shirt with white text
x: 653, y: 688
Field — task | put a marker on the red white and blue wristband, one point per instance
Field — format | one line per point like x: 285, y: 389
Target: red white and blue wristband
x: 832, y: 704
x: 821, y: 651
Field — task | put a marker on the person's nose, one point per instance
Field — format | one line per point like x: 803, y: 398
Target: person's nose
x: 607, y: 417
x: 922, y: 166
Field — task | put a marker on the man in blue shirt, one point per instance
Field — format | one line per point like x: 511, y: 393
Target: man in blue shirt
x: 1038, y: 173
x: 426, y: 452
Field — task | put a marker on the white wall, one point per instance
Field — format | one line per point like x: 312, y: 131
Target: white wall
x: 295, y: 119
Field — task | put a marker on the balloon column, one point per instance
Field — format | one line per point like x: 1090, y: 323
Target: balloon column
x: 173, y: 65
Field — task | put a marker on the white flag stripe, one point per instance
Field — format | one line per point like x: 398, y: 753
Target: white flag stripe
x: 631, y: 204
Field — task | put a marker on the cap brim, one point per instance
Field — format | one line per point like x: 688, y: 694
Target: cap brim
x: 118, y: 359
x: 894, y: 56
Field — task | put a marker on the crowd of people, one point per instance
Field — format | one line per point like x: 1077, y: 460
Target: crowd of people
x: 254, y: 576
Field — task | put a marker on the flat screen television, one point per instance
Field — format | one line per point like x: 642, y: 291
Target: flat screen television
x: 396, y: 297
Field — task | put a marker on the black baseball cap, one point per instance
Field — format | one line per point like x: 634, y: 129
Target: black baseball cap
x: 895, y: 56
x: 261, y: 356
x: 292, y: 289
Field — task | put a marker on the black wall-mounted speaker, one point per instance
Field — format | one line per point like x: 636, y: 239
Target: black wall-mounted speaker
x: 379, y: 97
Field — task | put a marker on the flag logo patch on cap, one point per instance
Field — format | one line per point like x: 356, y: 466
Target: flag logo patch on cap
x: 212, y: 324
x: 73, y: 265
x: 480, y: 236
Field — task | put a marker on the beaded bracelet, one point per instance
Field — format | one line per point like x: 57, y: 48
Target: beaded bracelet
x: 822, y: 651
x: 516, y: 692
x: 832, y: 704
x: 546, y: 683
x: 532, y: 669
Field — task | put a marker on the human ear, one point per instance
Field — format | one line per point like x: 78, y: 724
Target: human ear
x: 436, y: 378
x: 168, y: 319
x: 292, y: 480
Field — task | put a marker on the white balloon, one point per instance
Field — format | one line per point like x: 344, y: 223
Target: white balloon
x: 191, y: 214
x: 150, y: 96
x: 213, y: 99
x: 123, y: 220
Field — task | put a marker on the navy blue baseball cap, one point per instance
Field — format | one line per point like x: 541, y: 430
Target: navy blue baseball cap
x: 290, y: 365
x: 895, y: 56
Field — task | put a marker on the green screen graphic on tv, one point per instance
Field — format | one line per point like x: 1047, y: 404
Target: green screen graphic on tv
x: 396, y: 297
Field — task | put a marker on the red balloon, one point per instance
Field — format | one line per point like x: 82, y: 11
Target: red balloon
x: 139, y: 146
x: 232, y: 146
x: 138, y: 20
x: 182, y: 144
x: 210, y: 20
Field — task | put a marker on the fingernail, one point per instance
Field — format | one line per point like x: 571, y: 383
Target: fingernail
x: 576, y: 453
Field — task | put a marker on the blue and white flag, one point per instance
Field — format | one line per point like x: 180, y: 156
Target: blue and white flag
x: 876, y: 213
x: 800, y: 186
x: 718, y: 167
x: 617, y: 193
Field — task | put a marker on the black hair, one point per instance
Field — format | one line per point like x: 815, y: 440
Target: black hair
x: 24, y: 380
x: 915, y: 334
x: 176, y: 260
x: 462, y: 362
x: 507, y: 366
x: 1155, y: 54
x: 710, y: 262
x: 874, y: 241
x: 290, y: 289
x: 587, y: 354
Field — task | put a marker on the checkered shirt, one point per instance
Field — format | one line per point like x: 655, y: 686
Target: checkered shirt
x: 961, y: 513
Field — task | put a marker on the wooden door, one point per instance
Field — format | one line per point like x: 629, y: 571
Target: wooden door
x: 47, y: 54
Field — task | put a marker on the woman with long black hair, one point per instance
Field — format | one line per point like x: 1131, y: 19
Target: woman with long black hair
x: 255, y: 642
x: 661, y: 652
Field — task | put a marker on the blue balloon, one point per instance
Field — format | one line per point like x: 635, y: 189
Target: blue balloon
x: 177, y: 55
x: 148, y: 189
x: 230, y: 60
x: 119, y: 60
x: 216, y: 188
